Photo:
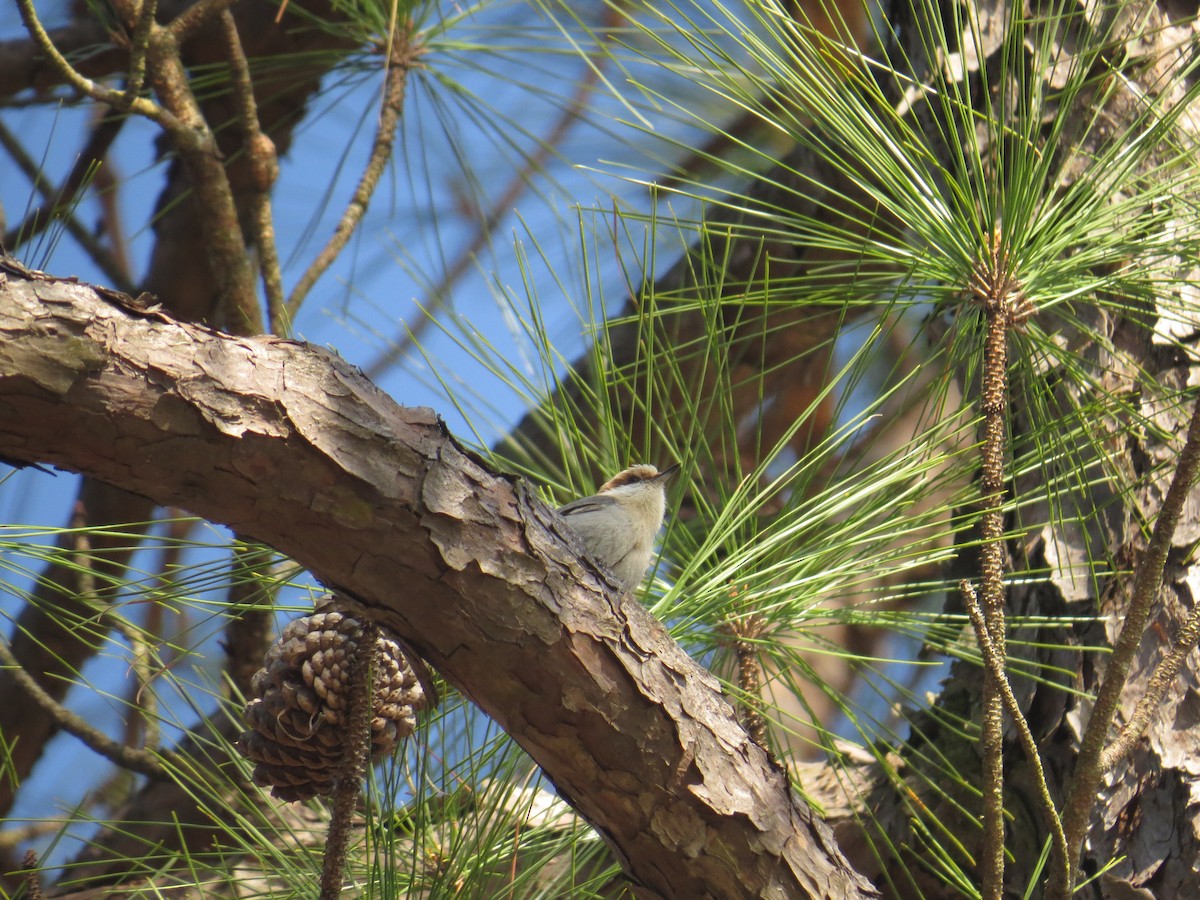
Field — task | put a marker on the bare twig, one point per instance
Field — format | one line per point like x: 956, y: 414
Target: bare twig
x: 127, y: 757
x: 107, y: 187
x: 264, y: 169
x: 141, y: 40
x: 196, y: 16
x: 142, y: 725
x: 146, y: 664
x: 402, y: 56
x: 995, y: 662
x: 215, y: 208
x: 125, y: 100
x: 1156, y: 688
x: 1091, y: 763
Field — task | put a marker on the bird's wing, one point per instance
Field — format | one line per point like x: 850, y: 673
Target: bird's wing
x: 585, y: 504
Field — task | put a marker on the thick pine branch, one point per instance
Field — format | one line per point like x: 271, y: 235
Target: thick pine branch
x: 290, y: 446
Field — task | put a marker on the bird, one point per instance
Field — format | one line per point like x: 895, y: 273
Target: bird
x: 619, y: 522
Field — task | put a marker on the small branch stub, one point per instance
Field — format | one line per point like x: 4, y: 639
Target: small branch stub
x: 745, y: 629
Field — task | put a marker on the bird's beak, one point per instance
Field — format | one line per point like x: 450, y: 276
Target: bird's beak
x: 667, y: 473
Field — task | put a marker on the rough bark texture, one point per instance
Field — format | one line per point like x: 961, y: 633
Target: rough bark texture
x: 289, y: 445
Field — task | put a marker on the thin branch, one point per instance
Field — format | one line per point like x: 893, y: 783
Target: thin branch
x: 1091, y: 763
x: 402, y: 56
x: 216, y: 210
x: 143, y: 21
x: 995, y: 663
x: 196, y: 16
x: 146, y: 664
x: 142, y: 701
x: 117, y: 99
x: 1156, y: 688
x: 107, y: 186
x: 130, y: 758
x: 264, y: 171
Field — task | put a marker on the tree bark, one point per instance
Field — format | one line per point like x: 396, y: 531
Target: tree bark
x: 289, y: 445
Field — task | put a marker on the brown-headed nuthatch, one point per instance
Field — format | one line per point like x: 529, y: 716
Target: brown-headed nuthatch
x: 618, y: 523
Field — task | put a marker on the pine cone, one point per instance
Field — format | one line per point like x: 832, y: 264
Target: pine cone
x: 301, y: 713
